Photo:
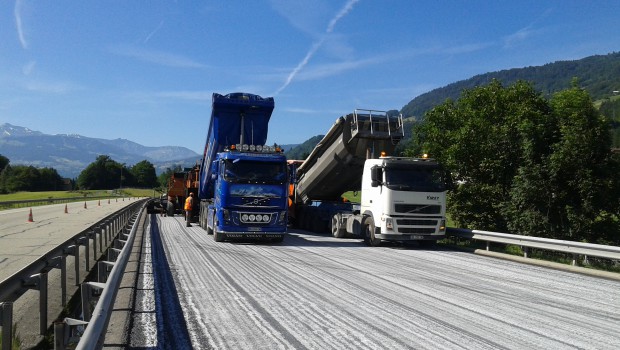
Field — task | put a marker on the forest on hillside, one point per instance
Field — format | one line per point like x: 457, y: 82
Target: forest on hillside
x: 599, y: 75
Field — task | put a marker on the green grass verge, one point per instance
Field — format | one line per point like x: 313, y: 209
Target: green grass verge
x: 127, y: 192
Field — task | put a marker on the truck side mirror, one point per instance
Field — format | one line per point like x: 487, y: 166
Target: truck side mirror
x: 376, y: 176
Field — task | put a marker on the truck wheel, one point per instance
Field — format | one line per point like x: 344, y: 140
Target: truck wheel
x: 369, y: 233
x: 336, y: 226
x: 217, y: 235
x: 209, y: 230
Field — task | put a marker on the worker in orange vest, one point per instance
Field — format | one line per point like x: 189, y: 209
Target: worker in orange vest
x: 189, y: 203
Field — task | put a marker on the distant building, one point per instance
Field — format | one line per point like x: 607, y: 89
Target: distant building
x: 67, y: 184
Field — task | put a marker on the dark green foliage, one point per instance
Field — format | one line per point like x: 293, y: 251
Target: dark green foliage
x: 4, y: 161
x: 526, y: 165
x: 144, y: 174
x: 302, y: 151
x: 104, y: 174
x: 28, y: 178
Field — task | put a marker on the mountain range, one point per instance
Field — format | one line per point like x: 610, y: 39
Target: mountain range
x: 70, y: 154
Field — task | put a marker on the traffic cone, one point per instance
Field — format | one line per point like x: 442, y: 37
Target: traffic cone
x: 99, y: 203
x: 108, y: 200
x: 85, y: 205
x: 66, y: 209
x: 30, y: 216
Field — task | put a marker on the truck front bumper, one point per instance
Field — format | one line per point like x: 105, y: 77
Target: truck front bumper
x: 252, y: 235
x: 407, y: 237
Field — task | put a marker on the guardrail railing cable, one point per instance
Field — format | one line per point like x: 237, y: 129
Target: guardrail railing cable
x: 570, y: 247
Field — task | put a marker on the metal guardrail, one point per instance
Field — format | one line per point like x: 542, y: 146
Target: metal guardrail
x: 34, y: 276
x: 96, y: 321
x: 570, y: 247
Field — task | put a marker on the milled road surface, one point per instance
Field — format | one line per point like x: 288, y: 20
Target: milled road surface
x: 318, y: 292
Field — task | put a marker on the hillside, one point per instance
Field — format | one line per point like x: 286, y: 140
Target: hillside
x: 599, y: 75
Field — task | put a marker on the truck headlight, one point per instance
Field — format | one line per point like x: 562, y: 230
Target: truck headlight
x: 282, y: 218
x: 442, y: 226
x: 389, y: 224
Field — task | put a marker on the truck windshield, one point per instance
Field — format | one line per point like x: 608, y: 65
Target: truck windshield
x: 428, y: 179
x: 243, y: 171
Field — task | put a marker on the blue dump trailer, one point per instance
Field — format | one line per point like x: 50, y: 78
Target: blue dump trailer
x: 243, y: 183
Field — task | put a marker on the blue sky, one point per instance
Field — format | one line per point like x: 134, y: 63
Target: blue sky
x: 146, y: 70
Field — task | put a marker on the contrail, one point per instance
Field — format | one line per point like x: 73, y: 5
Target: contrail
x: 18, y: 24
x: 148, y: 37
x: 330, y: 27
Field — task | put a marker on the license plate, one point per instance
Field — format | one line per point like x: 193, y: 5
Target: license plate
x: 254, y: 229
x: 417, y: 237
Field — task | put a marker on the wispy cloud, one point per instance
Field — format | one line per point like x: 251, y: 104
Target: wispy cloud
x: 519, y: 36
x: 148, y: 37
x: 17, y: 12
x: 57, y: 88
x: 156, y: 57
x: 526, y: 32
x: 28, y: 68
x: 186, y: 95
x: 315, y: 47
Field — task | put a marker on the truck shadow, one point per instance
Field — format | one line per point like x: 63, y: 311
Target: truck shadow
x: 298, y: 237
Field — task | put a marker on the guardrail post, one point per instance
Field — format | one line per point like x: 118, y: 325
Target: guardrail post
x: 87, y: 294
x: 62, y: 332
x: 113, y: 254
x: 488, y: 245
x: 60, y: 262
x: 93, y: 234
x: 39, y: 282
x: 574, y: 262
x: 525, y: 251
x: 100, y: 237
x: 103, y: 272
x: 6, y: 321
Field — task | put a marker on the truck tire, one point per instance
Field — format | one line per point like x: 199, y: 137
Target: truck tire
x: 369, y: 233
x: 209, y: 229
x: 218, y: 236
x: 336, y: 226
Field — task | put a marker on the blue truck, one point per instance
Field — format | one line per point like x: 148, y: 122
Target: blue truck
x: 243, y: 183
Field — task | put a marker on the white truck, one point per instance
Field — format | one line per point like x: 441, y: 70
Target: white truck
x: 402, y: 199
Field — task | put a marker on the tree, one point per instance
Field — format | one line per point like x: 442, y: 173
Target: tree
x: 4, y: 161
x: 581, y: 194
x: 144, y: 174
x: 479, y: 140
x: 103, y: 174
x: 526, y: 164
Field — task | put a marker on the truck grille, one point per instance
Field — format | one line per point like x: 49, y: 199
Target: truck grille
x: 414, y: 222
x: 417, y: 230
x: 417, y: 208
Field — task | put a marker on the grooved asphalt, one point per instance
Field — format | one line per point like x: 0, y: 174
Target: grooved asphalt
x: 318, y: 292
